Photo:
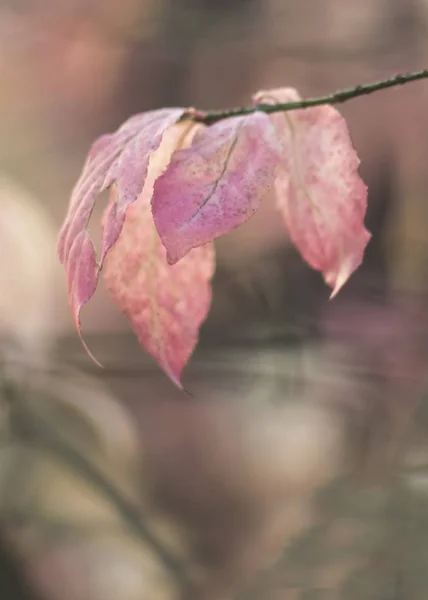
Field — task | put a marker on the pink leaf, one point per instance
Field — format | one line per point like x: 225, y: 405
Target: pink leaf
x: 165, y: 304
x: 319, y: 191
x: 121, y: 158
x: 216, y: 184
x: 82, y: 277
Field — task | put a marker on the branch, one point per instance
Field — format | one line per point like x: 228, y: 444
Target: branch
x: 211, y: 117
x: 32, y: 429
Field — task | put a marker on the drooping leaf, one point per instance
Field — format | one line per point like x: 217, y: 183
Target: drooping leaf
x: 165, y: 304
x: 120, y: 158
x: 216, y: 184
x: 319, y: 191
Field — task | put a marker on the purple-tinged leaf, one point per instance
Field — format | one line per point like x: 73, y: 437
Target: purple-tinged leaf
x: 216, y: 184
x: 122, y: 159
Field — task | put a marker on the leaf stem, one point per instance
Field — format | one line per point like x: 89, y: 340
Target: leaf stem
x: 211, y: 117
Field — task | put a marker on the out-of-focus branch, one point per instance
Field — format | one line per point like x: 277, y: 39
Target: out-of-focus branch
x: 14, y: 585
x: 30, y: 428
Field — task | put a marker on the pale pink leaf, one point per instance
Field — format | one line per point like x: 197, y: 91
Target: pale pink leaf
x: 120, y: 158
x: 216, y: 184
x: 319, y: 191
x: 165, y: 304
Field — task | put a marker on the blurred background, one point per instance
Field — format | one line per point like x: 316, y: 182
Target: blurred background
x: 297, y: 468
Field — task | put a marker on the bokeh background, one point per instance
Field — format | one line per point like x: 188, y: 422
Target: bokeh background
x: 296, y: 466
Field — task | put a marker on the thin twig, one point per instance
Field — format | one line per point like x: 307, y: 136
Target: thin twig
x: 211, y: 117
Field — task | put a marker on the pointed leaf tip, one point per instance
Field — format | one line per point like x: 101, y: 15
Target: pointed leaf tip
x: 165, y: 304
x: 122, y: 159
x: 82, y: 271
x: 320, y: 194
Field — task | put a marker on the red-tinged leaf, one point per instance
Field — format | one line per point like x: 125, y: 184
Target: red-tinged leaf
x: 120, y: 158
x: 319, y: 191
x: 216, y: 184
x: 165, y: 304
